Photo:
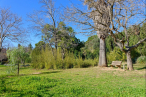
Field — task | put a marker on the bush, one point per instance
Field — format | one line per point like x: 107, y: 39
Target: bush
x: 37, y: 59
x: 69, y: 60
x: 78, y: 62
x: 28, y: 60
x: 89, y: 62
x: 45, y: 59
x: 116, y: 55
x: 141, y: 59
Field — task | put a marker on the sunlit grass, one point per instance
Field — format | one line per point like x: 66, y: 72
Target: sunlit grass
x: 75, y: 82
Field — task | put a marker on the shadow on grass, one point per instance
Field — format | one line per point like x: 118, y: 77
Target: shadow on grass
x: 141, y: 68
x: 47, y: 72
x: 37, y: 73
x: 25, y: 68
x: 40, y: 73
x: 37, y: 92
x: 29, y: 93
x: 40, y: 90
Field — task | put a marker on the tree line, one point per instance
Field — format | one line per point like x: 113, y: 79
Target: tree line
x: 74, y: 54
x: 105, y: 18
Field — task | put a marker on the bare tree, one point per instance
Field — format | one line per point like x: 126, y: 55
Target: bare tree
x: 122, y: 13
x: 45, y: 21
x: 48, y: 22
x: 103, y: 17
x: 112, y: 16
x: 88, y: 20
x: 10, y: 26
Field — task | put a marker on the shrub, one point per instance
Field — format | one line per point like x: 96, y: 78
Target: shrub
x: 78, y: 62
x: 89, y: 62
x: 69, y: 60
x: 141, y: 59
x: 28, y: 60
x: 37, y: 59
x: 116, y: 54
x: 44, y: 58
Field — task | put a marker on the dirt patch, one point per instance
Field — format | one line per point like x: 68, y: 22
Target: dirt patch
x: 10, y: 76
x: 121, y: 72
x: 37, y: 73
x: 111, y: 68
x: 140, y: 71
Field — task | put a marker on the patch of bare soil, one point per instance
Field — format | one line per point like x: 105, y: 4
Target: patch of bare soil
x: 37, y: 73
x: 140, y: 71
x: 116, y: 71
x: 111, y: 68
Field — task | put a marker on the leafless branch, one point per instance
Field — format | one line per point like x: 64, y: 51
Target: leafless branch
x: 10, y: 26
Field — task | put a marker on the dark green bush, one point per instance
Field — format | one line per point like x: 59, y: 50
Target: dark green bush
x: 141, y: 59
x: 28, y: 60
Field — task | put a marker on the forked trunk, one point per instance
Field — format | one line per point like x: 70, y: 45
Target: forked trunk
x: 102, y: 54
x: 129, y: 61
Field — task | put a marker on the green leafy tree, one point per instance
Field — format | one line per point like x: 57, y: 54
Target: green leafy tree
x: 65, y: 37
x: 139, y: 33
x: 17, y: 56
x: 30, y: 48
x: 91, y: 49
x: 110, y: 45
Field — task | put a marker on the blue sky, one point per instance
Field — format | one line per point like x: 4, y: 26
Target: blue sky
x: 24, y: 7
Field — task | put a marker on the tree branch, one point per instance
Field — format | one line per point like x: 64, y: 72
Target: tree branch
x: 136, y: 45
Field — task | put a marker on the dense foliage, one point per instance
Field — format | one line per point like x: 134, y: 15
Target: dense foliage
x: 72, y: 53
x: 91, y: 49
x: 116, y: 55
x: 83, y: 54
x: 44, y: 59
x: 17, y: 56
x: 141, y: 60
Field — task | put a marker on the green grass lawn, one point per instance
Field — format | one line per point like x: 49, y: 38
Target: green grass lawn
x: 76, y: 82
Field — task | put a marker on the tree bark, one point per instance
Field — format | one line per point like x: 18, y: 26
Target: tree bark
x: 129, y: 61
x: 0, y: 44
x: 63, y: 54
x: 102, y: 54
x: 18, y: 69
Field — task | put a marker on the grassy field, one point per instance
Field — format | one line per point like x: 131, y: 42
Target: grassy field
x: 76, y: 82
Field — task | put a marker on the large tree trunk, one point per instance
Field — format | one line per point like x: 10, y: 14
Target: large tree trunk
x: 102, y: 54
x: 129, y: 61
